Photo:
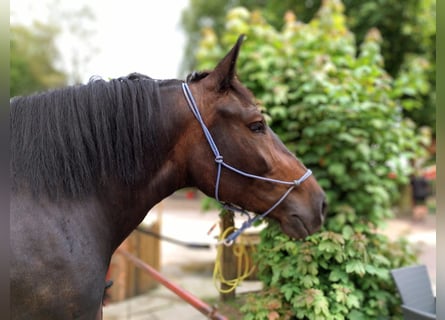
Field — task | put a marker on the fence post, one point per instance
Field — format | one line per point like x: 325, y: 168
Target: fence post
x: 228, y: 260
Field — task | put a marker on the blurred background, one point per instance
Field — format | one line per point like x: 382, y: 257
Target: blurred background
x: 60, y: 42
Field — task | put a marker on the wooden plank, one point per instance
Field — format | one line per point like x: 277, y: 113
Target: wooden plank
x: 128, y: 279
x: 148, y: 250
x: 228, y: 259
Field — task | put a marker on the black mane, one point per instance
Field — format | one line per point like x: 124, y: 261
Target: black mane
x: 195, y: 76
x: 69, y: 141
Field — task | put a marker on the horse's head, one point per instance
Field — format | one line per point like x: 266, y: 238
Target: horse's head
x: 245, y: 142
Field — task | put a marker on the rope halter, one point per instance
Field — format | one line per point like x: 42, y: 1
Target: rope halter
x: 219, y: 160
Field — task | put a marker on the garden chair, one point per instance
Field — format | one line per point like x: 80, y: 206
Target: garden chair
x: 414, y: 286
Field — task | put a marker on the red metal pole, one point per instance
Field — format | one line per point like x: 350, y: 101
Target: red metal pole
x: 200, y: 305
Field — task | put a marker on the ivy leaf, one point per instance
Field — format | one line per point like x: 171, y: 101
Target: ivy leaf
x: 347, y: 232
x: 340, y: 296
x: 379, y: 272
x: 355, y: 266
x: 309, y: 281
x: 364, y: 150
x: 346, y: 137
x: 340, y: 256
x: 338, y: 275
x: 327, y: 246
x: 315, y: 99
x: 278, y: 112
x: 357, y: 315
x: 353, y: 301
x: 291, y: 247
x: 321, y: 306
x: 312, y: 268
x: 288, y: 291
x: 249, y: 316
x: 337, y: 169
x: 287, y: 271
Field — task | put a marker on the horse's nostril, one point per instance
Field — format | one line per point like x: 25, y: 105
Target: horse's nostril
x: 324, y: 209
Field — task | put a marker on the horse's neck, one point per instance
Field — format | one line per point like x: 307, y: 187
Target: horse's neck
x: 129, y: 207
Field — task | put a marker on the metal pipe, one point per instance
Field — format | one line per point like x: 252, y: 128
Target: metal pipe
x: 198, y: 304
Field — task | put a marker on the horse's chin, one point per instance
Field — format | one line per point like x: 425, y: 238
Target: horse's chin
x: 295, y: 228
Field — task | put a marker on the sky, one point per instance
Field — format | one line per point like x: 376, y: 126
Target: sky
x: 127, y: 36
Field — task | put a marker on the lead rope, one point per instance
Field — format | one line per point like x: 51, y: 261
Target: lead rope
x: 244, y: 266
x: 219, y: 160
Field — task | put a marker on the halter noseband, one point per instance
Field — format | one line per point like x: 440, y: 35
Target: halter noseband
x: 220, y: 163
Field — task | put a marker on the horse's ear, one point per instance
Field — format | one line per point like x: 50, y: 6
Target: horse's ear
x: 224, y: 73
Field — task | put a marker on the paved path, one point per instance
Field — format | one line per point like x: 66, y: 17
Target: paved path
x: 423, y: 235
x: 192, y: 269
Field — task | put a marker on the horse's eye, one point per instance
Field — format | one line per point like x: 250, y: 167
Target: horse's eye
x: 257, y: 127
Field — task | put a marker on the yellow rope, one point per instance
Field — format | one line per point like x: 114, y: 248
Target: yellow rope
x: 242, y: 255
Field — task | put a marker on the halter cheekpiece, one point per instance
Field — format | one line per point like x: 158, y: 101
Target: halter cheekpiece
x: 219, y: 160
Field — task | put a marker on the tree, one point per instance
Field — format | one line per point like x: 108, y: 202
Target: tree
x: 407, y: 27
x: 33, y: 53
x: 36, y: 61
x: 202, y: 14
x: 408, y: 47
x: 334, y: 105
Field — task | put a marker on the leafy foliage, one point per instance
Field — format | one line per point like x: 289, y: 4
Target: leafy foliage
x: 336, y: 107
x: 408, y: 29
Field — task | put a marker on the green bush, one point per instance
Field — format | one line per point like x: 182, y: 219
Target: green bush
x: 335, y: 107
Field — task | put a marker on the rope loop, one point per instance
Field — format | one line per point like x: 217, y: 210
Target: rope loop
x: 219, y: 159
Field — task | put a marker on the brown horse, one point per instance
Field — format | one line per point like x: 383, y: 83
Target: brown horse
x: 89, y: 161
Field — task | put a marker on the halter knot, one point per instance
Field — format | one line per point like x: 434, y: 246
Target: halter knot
x: 303, y: 178
x: 219, y: 159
